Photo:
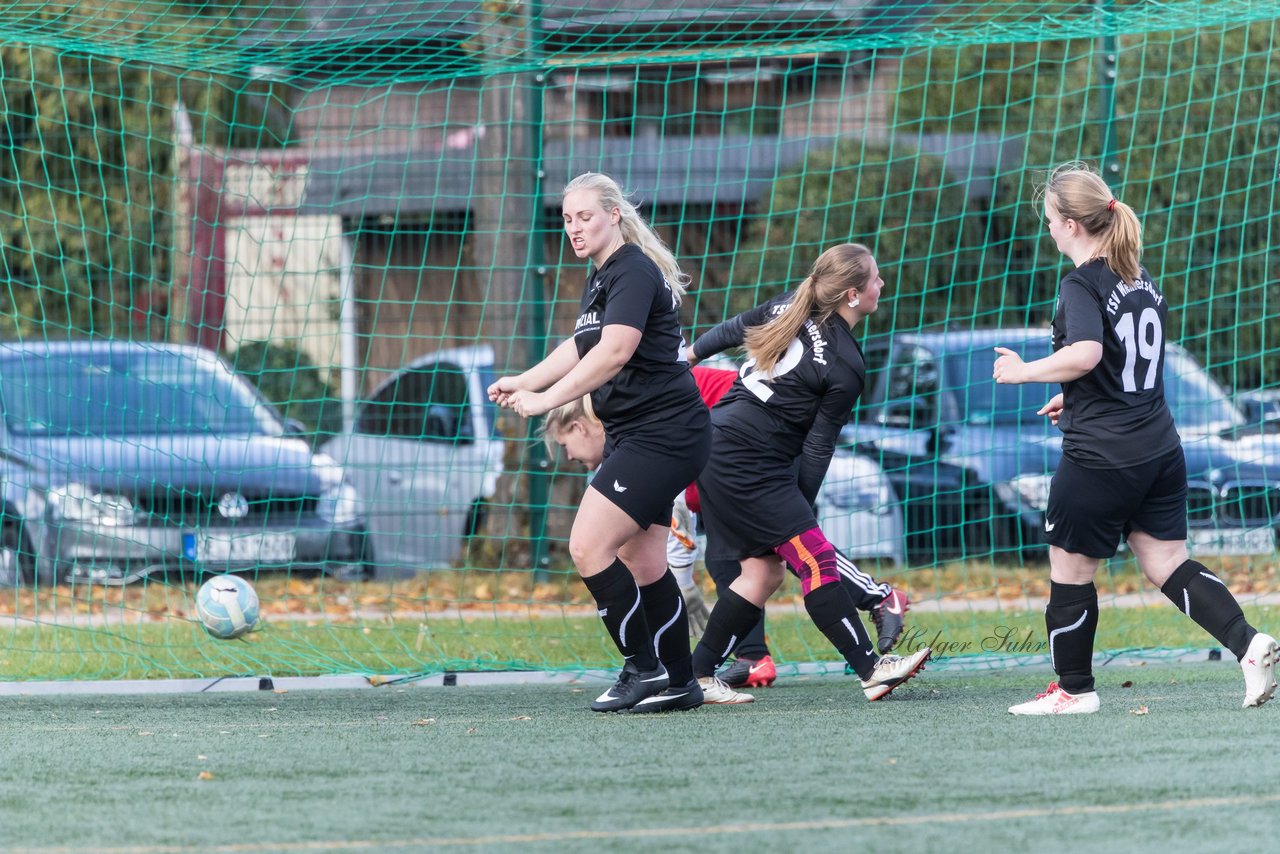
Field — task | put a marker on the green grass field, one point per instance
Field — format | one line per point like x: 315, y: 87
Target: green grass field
x: 938, y: 766
x: 181, y: 649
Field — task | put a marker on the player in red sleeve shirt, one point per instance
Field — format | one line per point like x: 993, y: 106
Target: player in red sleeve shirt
x: 753, y: 666
x: 574, y: 428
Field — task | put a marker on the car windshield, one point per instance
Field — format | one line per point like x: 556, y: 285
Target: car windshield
x: 1198, y: 403
x: 126, y: 393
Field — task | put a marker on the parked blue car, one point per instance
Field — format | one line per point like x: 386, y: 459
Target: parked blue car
x: 123, y: 459
x: 972, y: 461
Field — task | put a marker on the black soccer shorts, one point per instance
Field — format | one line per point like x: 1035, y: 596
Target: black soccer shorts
x: 1091, y: 510
x: 642, y: 475
x: 751, y: 503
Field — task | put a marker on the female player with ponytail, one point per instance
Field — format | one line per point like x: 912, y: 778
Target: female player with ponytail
x: 1122, y: 474
x: 773, y: 436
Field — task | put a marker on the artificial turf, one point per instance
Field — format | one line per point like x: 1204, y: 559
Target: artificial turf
x: 1171, y: 762
x: 178, y: 648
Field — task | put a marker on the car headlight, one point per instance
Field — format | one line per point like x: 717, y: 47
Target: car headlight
x: 857, y: 484
x: 76, y: 502
x: 1033, y: 489
x: 339, y: 505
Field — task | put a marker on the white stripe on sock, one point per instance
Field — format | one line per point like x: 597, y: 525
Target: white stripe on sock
x: 657, y: 636
x: 850, y: 570
x: 622, y: 630
x: 1053, y: 657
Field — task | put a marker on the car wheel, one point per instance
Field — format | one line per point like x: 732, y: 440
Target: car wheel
x: 363, y: 568
x: 477, y: 517
x: 981, y: 523
x: 17, y: 560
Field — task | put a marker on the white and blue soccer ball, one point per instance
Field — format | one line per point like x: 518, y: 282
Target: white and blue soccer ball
x: 227, y: 606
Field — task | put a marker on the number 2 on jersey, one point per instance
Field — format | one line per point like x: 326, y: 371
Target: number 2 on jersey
x: 1145, y: 340
x: 757, y: 381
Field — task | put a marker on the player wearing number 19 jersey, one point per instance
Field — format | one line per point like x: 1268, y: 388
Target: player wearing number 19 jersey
x: 1122, y: 474
x: 1115, y: 415
x: 773, y: 435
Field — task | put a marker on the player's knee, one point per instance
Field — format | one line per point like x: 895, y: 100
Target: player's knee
x: 1158, y: 570
x: 758, y: 580
x: 587, y: 556
x: 812, y: 558
x: 1157, y: 558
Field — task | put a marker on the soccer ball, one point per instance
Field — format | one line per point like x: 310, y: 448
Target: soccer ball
x: 227, y: 605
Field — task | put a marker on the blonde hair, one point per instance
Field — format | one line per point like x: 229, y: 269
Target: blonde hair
x: 1077, y: 192
x: 558, y: 420
x: 634, y: 228
x: 819, y: 295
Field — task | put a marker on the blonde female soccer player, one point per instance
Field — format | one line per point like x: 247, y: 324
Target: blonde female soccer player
x: 627, y: 352
x: 773, y: 436
x: 1122, y: 473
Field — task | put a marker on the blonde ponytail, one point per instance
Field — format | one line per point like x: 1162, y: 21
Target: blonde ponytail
x: 767, y: 343
x: 1078, y: 192
x: 836, y: 271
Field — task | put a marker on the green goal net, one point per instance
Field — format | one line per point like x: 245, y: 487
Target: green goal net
x: 351, y: 210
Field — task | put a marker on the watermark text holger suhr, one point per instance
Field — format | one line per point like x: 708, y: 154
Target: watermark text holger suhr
x: 1002, y: 639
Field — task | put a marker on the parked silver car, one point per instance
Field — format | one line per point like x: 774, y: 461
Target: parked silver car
x: 858, y: 510
x: 1261, y: 406
x: 425, y: 457
x: 122, y: 459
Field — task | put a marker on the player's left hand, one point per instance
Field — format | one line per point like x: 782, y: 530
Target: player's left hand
x: 530, y: 404
x: 1009, y: 367
x: 500, y: 391
x: 1053, y: 409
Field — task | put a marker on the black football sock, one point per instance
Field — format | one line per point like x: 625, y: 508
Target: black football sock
x: 832, y: 611
x: 730, y: 619
x: 618, y: 602
x: 1072, y: 620
x: 752, y: 644
x: 669, y: 621
x: 1202, y: 596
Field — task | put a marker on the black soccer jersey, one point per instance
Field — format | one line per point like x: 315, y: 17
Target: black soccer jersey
x: 1116, y: 414
x: 797, y: 412
x: 655, y: 386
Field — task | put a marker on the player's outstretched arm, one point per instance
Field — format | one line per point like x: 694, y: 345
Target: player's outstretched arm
x: 733, y: 332
x: 1070, y: 363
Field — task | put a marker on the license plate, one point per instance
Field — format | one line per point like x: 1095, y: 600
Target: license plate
x: 1231, y: 541
x: 263, y: 546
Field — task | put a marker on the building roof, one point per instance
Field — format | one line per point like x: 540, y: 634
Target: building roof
x: 318, y: 20
x: 730, y: 171
x: 350, y: 39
